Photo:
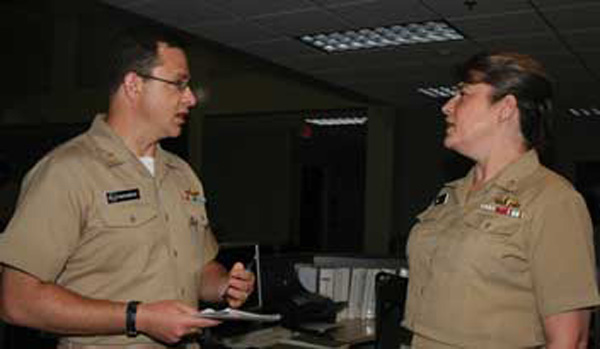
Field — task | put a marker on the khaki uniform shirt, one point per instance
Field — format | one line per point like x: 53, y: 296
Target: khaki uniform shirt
x: 91, y: 218
x: 487, y: 268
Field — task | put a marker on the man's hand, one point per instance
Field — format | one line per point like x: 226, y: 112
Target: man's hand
x: 170, y: 321
x: 239, y: 285
x: 27, y: 301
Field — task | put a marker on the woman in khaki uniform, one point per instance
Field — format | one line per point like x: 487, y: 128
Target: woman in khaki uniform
x: 503, y: 258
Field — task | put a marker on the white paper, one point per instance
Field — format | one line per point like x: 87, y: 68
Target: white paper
x: 240, y: 315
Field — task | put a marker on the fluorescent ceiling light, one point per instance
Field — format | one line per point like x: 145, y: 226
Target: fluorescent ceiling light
x: 438, y: 92
x: 395, y: 35
x: 593, y: 111
x: 337, y: 121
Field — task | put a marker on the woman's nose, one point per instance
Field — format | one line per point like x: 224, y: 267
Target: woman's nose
x: 449, y: 106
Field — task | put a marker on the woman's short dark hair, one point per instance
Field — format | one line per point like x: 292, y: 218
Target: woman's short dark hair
x: 523, y: 77
x: 136, y: 50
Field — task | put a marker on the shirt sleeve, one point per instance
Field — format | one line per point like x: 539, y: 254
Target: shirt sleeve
x: 563, y: 262
x: 46, y: 225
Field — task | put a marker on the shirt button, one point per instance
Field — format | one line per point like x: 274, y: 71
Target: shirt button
x: 166, y: 217
x: 487, y: 225
x: 132, y: 219
x: 175, y: 253
x: 182, y: 291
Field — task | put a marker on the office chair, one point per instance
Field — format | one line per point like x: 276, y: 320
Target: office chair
x: 390, y: 295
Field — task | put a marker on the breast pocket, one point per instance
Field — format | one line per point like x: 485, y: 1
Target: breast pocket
x: 494, y: 224
x: 495, y: 241
x: 423, y: 237
x: 123, y: 234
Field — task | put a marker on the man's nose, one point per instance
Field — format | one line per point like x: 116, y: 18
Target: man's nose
x: 190, y: 97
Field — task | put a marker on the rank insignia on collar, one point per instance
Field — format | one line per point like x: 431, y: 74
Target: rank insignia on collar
x: 507, y: 201
x: 441, y: 199
x: 193, y: 196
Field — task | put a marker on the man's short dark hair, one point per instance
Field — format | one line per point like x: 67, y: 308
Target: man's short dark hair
x: 136, y: 50
x: 522, y: 76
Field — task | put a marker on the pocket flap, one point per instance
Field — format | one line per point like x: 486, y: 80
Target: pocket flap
x: 128, y: 216
x: 493, y: 223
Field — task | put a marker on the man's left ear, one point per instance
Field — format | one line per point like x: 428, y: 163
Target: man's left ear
x: 508, y: 108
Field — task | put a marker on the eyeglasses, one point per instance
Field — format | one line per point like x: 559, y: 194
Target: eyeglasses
x: 181, y: 85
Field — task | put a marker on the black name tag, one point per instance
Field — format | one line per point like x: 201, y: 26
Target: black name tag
x: 122, y: 195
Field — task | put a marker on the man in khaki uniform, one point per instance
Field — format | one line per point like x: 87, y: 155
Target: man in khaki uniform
x: 109, y: 245
x: 503, y: 257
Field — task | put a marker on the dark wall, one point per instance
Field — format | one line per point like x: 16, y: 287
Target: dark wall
x: 332, y: 188
x: 247, y: 174
x: 279, y: 182
x: 20, y: 148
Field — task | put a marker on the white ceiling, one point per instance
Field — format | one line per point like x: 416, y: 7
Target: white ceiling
x: 563, y: 34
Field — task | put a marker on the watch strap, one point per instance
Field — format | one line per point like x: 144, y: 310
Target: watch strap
x: 130, y: 317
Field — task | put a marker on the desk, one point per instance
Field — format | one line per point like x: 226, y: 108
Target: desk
x: 344, y: 334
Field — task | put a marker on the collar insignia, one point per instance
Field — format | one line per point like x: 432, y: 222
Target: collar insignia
x: 193, y: 196
x: 441, y: 199
x: 507, y: 201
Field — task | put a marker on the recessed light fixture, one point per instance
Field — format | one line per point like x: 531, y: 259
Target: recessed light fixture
x: 395, y: 35
x: 337, y: 121
x: 592, y: 111
x: 438, y: 92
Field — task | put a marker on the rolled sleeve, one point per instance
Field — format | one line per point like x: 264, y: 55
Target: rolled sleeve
x: 563, y: 262
x: 46, y: 223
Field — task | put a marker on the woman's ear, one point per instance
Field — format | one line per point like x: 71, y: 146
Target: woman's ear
x: 509, y: 108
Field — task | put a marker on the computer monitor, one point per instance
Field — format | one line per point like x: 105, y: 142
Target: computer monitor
x: 248, y: 254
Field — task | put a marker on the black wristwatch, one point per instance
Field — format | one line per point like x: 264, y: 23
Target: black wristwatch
x: 130, y: 315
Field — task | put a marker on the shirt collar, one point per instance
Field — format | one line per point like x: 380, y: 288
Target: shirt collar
x: 508, y: 178
x: 113, y: 150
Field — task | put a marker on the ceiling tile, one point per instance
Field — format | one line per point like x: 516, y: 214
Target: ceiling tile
x: 232, y: 32
x: 312, y: 62
x: 528, y: 44
x: 302, y: 22
x: 125, y: 4
x: 383, y: 13
x: 584, y: 40
x: 180, y: 13
x: 370, y: 74
x: 562, y: 3
x: 576, y: 17
x: 334, y: 3
x: 592, y: 60
x: 458, y: 9
x: 266, y: 28
x: 253, y: 8
x: 482, y: 28
x: 559, y: 61
x: 278, y: 48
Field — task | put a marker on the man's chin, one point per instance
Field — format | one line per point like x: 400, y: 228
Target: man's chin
x: 174, y: 132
